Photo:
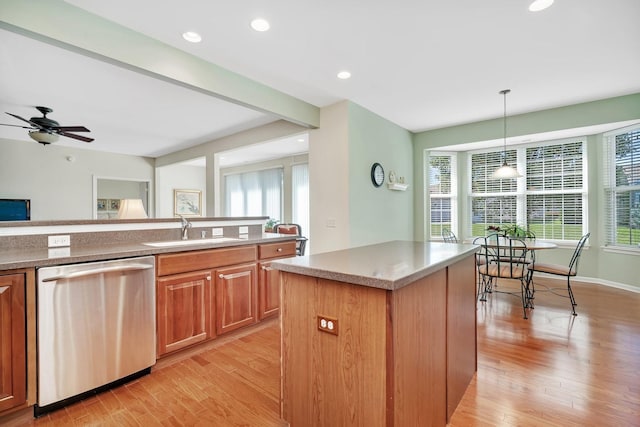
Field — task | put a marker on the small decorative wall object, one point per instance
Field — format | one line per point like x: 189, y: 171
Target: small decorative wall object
x: 187, y: 202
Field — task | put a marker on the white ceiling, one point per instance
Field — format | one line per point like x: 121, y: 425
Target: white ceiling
x: 422, y: 64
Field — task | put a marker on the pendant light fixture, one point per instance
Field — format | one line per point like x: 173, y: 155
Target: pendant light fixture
x: 505, y: 171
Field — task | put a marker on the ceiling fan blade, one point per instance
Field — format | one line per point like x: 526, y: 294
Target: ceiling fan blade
x: 74, y: 136
x: 17, y: 126
x: 71, y: 129
x: 25, y: 120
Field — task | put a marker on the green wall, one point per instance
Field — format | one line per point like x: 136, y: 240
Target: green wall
x: 378, y: 214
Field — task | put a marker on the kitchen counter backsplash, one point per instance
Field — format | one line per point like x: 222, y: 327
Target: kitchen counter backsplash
x: 25, y: 235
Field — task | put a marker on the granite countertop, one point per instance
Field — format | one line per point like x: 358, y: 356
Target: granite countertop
x: 40, y: 257
x: 389, y: 265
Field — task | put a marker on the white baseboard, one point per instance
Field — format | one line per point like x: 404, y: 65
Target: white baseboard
x: 594, y: 280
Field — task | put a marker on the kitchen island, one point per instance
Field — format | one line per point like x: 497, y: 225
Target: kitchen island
x: 379, y: 335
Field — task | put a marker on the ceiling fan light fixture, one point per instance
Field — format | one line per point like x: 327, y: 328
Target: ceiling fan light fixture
x: 505, y: 171
x: 43, y: 137
x: 539, y: 5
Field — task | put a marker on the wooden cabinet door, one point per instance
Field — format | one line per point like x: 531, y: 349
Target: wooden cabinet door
x: 185, y: 310
x: 236, y: 297
x: 13, y: 356
x: 268, y: 291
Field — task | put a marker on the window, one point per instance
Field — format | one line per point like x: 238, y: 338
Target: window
x: 622, y: 187
x: 555, y: 194
x: 550, y: 200
x: 441, y: 172
x: 257, y: 193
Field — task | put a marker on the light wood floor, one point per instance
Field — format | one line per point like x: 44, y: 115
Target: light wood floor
x: 550, y: 370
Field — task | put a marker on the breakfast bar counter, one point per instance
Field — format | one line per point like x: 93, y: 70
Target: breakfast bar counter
x: 379, y: 335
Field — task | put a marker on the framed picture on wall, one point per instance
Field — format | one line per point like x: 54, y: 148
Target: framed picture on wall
x: 102, y: 204
x: 187, y: 202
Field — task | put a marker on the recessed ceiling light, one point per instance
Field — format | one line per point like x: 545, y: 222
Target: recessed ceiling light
x: 539, y: 5
x: 300, y: 139
x: 344, y: 75
x: 192, y: 36
x: 260, y: 24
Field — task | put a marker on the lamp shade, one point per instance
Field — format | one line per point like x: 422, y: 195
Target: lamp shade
x: 505, y: 171
x: 131, y: 209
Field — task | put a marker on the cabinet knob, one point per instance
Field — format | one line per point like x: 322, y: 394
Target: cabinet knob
x: 279, y: 249
x: 209, y: 278
x: 221, y: 276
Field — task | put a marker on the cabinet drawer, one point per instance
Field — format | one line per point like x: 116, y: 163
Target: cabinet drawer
x: 200, y: 260
x: 277, y: 250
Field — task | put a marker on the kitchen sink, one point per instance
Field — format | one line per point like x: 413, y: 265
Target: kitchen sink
x: 170, y: 243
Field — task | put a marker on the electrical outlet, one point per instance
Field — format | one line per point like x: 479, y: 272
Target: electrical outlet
x: 57, y: 241
x: 243, y: 230
x: 217, y: 232
x: 328, y: 324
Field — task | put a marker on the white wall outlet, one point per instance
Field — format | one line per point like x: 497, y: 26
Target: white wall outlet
x: 217, y: 232
x: 331, y: 223
x: 243, y: 230
x: 59, y: 252
x: 61, y: 240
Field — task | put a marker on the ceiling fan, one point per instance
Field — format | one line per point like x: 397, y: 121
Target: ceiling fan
x: 45, y: 130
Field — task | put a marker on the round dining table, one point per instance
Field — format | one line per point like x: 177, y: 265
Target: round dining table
x: 532, y: 244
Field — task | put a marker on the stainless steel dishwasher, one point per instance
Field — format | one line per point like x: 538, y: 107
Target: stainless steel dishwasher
x: 96, y: 328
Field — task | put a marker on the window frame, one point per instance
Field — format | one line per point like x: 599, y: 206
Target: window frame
x: 611, y: 189
x: 453, y: 195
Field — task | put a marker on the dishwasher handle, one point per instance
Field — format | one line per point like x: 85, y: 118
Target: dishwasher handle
x: 100, y: 270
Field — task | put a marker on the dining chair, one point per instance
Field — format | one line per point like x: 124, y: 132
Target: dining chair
x: 301, y: 241
x: 567, y: 271
x: 504, y: 258
x: 449, y: 236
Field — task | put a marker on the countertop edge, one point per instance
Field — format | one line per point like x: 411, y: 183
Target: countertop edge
x: 374, y: 282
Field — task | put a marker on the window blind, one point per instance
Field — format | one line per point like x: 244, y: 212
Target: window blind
x: 256, y: 193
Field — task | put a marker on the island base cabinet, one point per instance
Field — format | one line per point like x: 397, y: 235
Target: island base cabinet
x: 236, y: 297
x: 13, y: 356
x: 385, y: 364
x: 185, y: 310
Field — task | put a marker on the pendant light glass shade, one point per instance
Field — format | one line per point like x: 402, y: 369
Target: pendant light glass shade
x: 505, y: 171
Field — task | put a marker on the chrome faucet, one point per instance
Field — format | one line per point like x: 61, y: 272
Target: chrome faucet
x: 185, y: 226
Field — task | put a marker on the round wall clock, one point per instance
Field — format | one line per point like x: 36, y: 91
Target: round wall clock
x: 377, y: 174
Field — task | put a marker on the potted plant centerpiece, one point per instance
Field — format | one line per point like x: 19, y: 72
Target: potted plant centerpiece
x: 512, y: 230
x: 268, y: 226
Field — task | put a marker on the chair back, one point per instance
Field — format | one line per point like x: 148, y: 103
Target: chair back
x: 573, y: 264
x: 301, y: 241
x: 288, y: 229
x: 507, y: 256
x: 449, y: 236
